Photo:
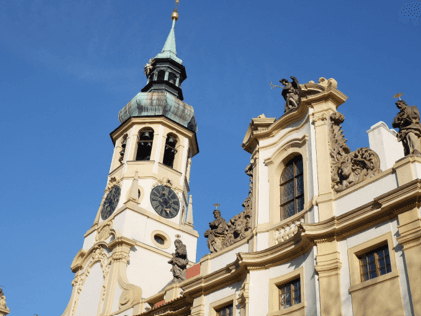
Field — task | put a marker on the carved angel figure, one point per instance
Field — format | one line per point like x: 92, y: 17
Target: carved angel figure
x: 179, y: 261
x: 217, y: 232
x: 148, y: 67
x: 291, y: 94
x: 408, y: 122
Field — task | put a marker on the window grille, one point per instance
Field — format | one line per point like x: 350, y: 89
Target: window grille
x: 289, y: 294
x: 375, y: 263
x: 292, y: 188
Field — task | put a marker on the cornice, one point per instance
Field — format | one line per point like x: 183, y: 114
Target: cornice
x: 382, y: 208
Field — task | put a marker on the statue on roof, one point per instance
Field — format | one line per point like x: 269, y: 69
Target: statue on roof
x: 408, y: 122
x: 3, y: 305
x: 217, y: 232
x: 179, y: 262
x: 291, y: 94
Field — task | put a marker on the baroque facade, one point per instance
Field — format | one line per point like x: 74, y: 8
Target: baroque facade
x: 324, y: 231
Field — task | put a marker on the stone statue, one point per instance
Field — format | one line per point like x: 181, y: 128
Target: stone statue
x: 408, y: 122
x: 3, y: 301
x: 291, y: 94
x: 217, y: 232
x: 222, y: 235
x: 348, y: 168
x: 179, y: 262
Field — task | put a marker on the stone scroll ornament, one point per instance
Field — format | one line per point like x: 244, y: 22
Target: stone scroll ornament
x: 221, y: 234
x: 349, y: 168
x: 179, y: 262
x: 408, y: 122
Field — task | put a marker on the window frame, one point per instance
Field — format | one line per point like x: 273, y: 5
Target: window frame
x: 354, y: 254
x: 215, y: 306
x: 275, y: 298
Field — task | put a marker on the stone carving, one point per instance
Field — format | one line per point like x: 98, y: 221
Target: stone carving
x: 3, y: 305
x: 179, y: 262
x: 349, y: 168
x: 222, y: 234
x: 123, y: 150
x: 149, y: 66
x: 291, y: 94
x: 217, y: 232
x: 408, y: 122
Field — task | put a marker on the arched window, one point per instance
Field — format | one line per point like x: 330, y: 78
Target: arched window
x: 292, y: 188
x: 161, y: 75
x: 144, y: 144
x: 170, y: 151
x: 172, y: 78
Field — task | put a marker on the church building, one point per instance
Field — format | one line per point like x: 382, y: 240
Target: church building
x: 324, y: 231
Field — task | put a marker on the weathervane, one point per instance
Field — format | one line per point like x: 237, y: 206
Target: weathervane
x: 398, y: 95
x: 177, y: 2
x: 216, y: 205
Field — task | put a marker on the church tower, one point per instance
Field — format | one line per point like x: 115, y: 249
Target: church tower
x: 145, y: 206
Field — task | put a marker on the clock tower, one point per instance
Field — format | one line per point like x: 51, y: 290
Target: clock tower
x: 144, y: 209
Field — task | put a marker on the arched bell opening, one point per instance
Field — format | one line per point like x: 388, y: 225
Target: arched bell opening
x: 144, y: 144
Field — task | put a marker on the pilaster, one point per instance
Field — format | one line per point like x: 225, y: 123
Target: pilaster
x: 198, y: 308
x: 410, y: 238
x: 328, y: 267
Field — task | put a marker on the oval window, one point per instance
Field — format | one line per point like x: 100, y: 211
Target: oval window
x: 159, y: 239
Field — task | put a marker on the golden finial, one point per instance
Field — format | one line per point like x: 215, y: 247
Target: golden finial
x: 174, y: 15
x: 398, y: 95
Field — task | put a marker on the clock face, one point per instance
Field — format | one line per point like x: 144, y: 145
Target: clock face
x: 110, y: 202
x: 165, y: 201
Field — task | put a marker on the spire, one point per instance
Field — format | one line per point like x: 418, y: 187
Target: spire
x: 169, y: 50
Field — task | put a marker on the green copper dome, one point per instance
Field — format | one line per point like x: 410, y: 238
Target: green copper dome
x: 162, y: 95
x: 160, y: 103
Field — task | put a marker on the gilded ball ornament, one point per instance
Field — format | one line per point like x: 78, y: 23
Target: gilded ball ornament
x: 174, y: 15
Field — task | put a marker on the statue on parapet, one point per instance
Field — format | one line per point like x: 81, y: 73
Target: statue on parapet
x: 217, y: 231
x: 291, y: 94
x: 179, y: 262
x: 408, y: 122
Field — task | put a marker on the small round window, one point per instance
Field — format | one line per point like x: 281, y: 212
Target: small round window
x: 159, y: 239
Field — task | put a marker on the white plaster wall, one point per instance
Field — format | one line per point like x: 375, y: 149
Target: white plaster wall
x: 365, y: 194
x: 91, y: 292
x: 345, y: 279
x: 89, y: 241
x: 139, y: 227
x: 116, y: 299
x: 403, y: 278
x: 263, y: 191
x: 220, y: 294
x: 148, y: 270
x: 262, y: 241
x: 227, y: 258
x: 383, y: 141
x: 390, y: 226
x: 259, y: 293
x: 260, y: 280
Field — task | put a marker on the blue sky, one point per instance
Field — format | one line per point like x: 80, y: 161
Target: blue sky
x: 68, y: 67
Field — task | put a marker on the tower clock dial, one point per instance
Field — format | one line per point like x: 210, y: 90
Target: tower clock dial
x: 165, y: 201
x: 110, y: 202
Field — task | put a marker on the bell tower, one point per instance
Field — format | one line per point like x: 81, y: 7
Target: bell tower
x: 145, y: 206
